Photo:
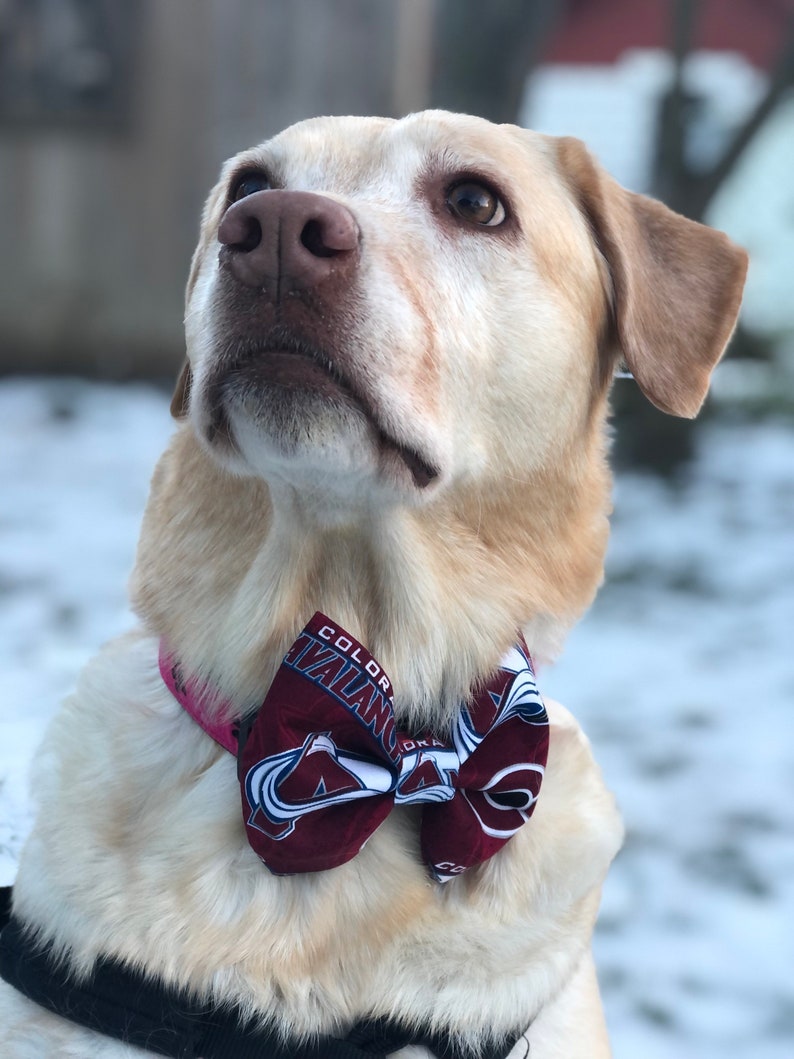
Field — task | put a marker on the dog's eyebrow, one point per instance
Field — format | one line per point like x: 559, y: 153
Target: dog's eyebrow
x: 451, y: 163
x: 446, y: 160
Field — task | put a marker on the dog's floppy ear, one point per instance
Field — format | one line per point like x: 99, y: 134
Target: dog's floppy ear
x: 676, y: 284
x: 180, y: 400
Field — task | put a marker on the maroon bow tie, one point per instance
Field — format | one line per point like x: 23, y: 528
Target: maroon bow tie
x: 322, y: 763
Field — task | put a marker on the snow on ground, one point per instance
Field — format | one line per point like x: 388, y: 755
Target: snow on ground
x: 683, y: 674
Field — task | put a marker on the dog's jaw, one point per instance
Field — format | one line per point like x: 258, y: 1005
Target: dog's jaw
x: 291, y: 418
x: 269, y: 402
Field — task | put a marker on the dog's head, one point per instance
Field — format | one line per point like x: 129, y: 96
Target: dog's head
x: 394, y: 306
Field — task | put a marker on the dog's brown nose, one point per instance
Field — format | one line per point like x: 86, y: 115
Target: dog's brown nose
x: 287, y: 240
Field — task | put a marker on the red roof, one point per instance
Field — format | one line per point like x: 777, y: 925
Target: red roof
x: 599, y: 31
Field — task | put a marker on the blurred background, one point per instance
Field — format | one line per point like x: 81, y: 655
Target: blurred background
x: 115, y: 116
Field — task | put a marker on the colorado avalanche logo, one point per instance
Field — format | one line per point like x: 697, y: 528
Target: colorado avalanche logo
x: 504, y: 802
x: 507, y: 801
x: 518, y: 698
x: 276, y: 787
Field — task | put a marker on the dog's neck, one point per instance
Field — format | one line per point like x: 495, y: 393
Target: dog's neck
x: 437, y: 592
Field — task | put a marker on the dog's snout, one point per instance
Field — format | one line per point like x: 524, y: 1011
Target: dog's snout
x: 289, y: 240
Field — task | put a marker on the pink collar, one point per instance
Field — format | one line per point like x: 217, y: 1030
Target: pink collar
x: 192, y: 697
x: 322, y: 763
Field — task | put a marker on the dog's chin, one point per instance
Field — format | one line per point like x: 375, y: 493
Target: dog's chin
x: 289, y: 418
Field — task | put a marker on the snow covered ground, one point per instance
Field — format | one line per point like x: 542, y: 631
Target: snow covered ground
x: 683, y: 673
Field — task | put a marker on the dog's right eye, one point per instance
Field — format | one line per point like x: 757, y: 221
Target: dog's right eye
x: 474, y: 202
x: 249, y: 184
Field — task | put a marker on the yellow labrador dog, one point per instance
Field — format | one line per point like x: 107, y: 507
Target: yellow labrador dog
x: 292, y: 815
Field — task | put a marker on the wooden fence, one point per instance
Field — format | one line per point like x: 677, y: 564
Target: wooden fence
x: 113, y: 124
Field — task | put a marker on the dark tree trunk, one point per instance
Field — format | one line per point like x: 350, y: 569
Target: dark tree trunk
x: 685, y: 188
x: 646, y: 437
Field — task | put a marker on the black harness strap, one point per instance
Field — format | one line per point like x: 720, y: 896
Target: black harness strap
x: 121, y: 1003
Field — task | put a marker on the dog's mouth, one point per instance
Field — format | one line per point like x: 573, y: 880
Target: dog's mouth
x: 298, y: 374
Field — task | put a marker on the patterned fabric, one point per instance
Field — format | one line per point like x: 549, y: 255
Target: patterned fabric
x: 322, y: 762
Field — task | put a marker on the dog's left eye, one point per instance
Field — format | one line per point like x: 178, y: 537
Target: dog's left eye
x: 249, y: 184
x: 475, y: 203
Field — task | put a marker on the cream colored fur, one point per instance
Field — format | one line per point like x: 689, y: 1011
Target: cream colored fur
x: 490, y: 353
